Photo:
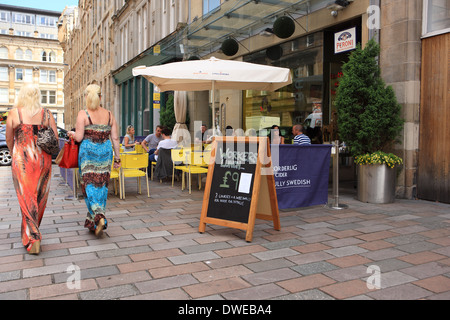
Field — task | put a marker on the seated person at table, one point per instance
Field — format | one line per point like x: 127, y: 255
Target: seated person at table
x: 275, y: 136
x: 165, y: 143
x: 151, y: 141
x: 300, y: 138
x: 128, y: 142
x: 201, y: 136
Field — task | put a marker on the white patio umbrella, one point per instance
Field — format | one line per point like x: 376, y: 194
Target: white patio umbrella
x: 180, y: 108
x: 212, y: 74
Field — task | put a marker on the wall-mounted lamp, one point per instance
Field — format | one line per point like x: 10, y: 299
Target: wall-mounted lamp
x: 338, y: 5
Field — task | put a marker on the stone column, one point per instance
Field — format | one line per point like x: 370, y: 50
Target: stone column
x: 400, y: 61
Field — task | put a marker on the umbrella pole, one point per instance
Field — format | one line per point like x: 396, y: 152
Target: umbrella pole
x: 213, y: 105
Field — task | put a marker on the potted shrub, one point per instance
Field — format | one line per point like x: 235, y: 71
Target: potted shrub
x: 369, y: 122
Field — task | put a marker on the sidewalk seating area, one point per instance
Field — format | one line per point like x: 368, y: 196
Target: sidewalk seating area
x: 152, y: 250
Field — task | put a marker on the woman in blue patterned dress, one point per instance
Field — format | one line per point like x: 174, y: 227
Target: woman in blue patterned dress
x: 95, y: 129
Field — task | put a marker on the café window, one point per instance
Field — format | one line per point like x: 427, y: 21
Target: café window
x: 436, y: 19
x: 296, y: 102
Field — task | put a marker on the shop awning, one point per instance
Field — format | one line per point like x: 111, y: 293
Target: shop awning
x: 239, y: 20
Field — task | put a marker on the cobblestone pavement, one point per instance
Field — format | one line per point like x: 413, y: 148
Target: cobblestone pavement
x: 153, y: 250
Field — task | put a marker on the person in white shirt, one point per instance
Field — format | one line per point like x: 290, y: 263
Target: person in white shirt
x: 165, y: 143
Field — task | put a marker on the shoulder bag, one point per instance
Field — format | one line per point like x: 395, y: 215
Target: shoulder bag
x: 46, y: 138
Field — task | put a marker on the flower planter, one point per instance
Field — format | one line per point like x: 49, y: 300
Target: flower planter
x: 376, y: 183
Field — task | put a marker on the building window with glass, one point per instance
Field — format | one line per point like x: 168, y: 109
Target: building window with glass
x: 292, y: 104
x: 436, y: 17
x: 210, y: 5
x: 19, y: 74
x: 48, y: 36
x: 28, y: 55
x: 23, y: 18
x: 48, y: 97
x: 4, y: 53
x: 19, y: 54
x: 4, y: 74
x: 47, y: 21
x: 25, y: 75
x: 51, y: 57
x: 4, y: 16
x: 4, y: 95
x: 48, y: 76
x: 23, y: 33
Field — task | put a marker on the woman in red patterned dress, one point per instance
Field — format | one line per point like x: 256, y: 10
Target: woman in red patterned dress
x: 31, y: 166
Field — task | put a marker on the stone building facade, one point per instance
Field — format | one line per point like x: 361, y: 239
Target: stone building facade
x: 87, y: 39
x: 145, y: 32
x: 30, y: 53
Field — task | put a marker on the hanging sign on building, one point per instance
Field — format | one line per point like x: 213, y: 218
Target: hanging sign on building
x: 156, y: 100
x: 345, y: 40
x: 156, y: 50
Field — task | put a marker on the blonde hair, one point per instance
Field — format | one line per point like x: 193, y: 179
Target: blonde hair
x: 129, y: 129
x: 29, y: 99
x: 93, y: 93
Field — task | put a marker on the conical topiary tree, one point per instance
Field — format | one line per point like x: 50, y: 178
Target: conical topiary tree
x: 368, y: 112
x: 167, y: 114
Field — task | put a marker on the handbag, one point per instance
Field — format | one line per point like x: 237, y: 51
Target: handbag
x: 46, y: 138
x: 69, y: 157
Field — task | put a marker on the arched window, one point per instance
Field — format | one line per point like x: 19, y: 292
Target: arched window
x: 28, y: 55
x: 51, y: 56
x: 3, y: 53
x: 19, y: 54
x: 44, y: 56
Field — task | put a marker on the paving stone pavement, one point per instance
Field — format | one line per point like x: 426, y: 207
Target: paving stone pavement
x: 153, y: 250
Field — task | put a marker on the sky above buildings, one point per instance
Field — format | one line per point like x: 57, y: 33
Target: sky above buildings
x: 53, y: 5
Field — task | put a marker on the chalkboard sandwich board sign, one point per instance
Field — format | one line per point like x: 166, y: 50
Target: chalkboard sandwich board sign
x: 240, y: 185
